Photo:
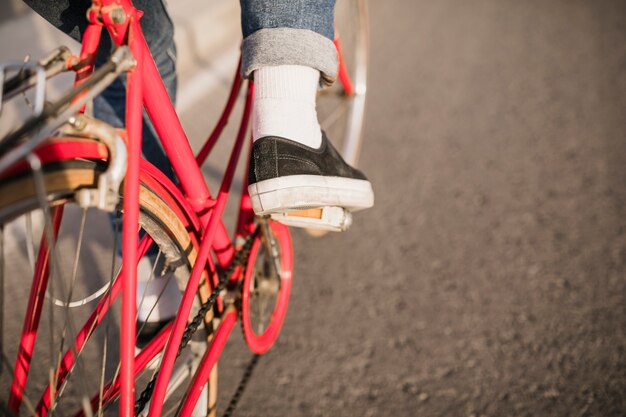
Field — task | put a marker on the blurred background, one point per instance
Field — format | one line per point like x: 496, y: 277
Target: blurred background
x: 490, y: 277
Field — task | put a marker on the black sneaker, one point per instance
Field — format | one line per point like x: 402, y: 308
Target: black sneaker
x: 286, y: 175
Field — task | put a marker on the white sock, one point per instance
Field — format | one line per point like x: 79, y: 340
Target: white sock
x: 284, y: 104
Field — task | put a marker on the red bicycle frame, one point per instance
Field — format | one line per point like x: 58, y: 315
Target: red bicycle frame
x: 144, y: 88
x: 204, y: 211
x: 122, y: 21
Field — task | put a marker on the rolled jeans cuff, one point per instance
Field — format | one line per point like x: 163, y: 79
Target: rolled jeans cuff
x: 287, y: 46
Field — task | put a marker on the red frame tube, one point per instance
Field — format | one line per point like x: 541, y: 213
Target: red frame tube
x: 344, y: 77
x: 131, y: 219
x: 223, y: 121
x: 145, y: 86
x: 33, y: 316
x: 146, y: 355
x: 208, y: 362
x: 180, y: 322
x: 86, y: 331
x: 87, y: 58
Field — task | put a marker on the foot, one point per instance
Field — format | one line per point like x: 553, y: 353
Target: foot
x: 149, y: 330
x: 158, y: 298
x: 286, y: 176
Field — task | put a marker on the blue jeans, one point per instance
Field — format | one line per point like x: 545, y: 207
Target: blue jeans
x: 289, y: 32
x: 110, y: 106
x: 276, y: 32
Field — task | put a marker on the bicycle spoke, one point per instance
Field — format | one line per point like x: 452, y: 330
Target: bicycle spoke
x: 116, y: 231
x: 102, y: 369
x: 55, y: 269
x: 81, y: 234
x: 264, y: 302
x: 30, y: 244
x: 171, y: 410
x: 148, y: 281
x: 107, y: 288
x: 1, y: 295
x: 117, y: 370
x: 260, y: 317
x: 156, y: 370
x: 68, y: 299
x: 155, y: 303
x: 51, y: 343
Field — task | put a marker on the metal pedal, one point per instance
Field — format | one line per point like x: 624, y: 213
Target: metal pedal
x: 336, y: 219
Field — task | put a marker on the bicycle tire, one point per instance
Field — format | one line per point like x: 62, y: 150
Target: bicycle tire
x: 341, y: 107
x: 261, y: 284
x: 159, y: 218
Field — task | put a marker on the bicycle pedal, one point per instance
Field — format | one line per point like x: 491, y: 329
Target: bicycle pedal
x: 336, y: 219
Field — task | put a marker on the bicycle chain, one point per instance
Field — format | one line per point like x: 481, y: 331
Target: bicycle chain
x: 239, y: 260
x: 247, y: 374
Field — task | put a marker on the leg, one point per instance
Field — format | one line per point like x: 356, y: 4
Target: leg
x: 289, y: 32
x: 110, y: 106
x: 288, y: 49
x: 69, y: 17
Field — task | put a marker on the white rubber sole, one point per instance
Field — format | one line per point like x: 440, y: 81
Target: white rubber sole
x: 295, y: 192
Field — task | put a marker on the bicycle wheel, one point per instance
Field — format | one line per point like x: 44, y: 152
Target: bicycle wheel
x: 341, y: 107
x: 66, y: 360
x: 266, y: 288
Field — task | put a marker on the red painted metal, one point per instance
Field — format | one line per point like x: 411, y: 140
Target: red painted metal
x: 180, y: 322
x: 245, y: 218
x: 131, y: 219
x: 208, y: 362
x: 222, y: 246
x: 223, y: 121
x: 169, y: 129
x: 86, y: 331
x: 147, y: 354
x: 191, y: 202
x: 87, y: 58
x: 117, y: 23
x: 60, y: 149
x: 260, y: 343
x: 153, y: 178
x: 33, y: 315
x: 171, y: 195
x: 344, y: 77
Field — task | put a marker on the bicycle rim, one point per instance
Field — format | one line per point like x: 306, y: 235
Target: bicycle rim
x: 59, y: 374
x: 341, y: 107
x: 265, y: 291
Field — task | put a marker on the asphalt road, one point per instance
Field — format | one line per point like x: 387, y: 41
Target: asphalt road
x: 490, y: 277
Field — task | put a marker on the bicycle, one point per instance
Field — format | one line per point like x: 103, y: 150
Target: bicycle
x: 62, y: 165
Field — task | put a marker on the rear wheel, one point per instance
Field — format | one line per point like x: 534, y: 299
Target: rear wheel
x: 60, y: 352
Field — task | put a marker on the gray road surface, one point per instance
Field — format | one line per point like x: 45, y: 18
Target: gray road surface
x: 490, y: 278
